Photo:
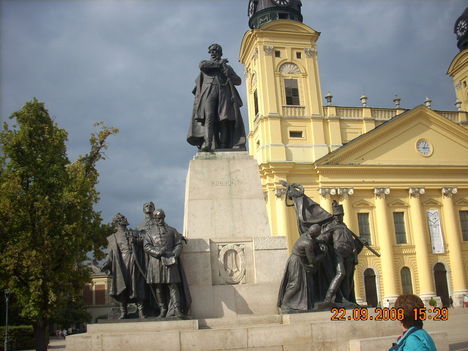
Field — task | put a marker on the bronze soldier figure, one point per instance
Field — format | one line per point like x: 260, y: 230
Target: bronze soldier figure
x: 344, y: 249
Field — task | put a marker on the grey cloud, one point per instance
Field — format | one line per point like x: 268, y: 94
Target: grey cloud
x: 133, y: 64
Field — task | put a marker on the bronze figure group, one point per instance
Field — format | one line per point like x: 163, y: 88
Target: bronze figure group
x: 145, y: 267
x: 319, y: 273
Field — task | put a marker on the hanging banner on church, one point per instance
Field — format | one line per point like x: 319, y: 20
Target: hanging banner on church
x: 435, y: 230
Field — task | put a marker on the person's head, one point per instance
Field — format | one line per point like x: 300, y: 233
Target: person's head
x: 119, y: 220
x: 337, y: 211
x: 159, y: 215
x: 408, y: 302
x: 314, y: 230
x: 148, y: 207
x: 216, y: 51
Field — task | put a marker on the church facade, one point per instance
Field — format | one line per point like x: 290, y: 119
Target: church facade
x: 401, y: 175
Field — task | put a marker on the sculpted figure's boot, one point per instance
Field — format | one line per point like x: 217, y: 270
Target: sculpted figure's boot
x: 178, y: 312
x: 161, y: 304
x: 209, y: 134
x: 175, y: 296
x: 163, y: 311
x: 141, y: 313
x: 332, y: 289
x: 123, y: 311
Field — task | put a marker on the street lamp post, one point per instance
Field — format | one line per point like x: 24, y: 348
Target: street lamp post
x: 7, y: 295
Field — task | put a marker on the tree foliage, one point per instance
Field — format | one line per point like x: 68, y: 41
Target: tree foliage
x: 47, y: 217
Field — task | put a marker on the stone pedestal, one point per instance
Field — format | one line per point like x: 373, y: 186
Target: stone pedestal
x: 233, y: 264
x: 305, y: 331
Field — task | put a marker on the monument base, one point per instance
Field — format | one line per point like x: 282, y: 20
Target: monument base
x: 232, y: 263
x: 303, y: 331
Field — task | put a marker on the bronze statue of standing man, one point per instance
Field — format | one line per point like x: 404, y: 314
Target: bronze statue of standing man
x: 124, y: 261
x: 216, y: 119
x: 163, y: 244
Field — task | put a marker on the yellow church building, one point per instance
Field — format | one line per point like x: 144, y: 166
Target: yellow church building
x: 401, y: 175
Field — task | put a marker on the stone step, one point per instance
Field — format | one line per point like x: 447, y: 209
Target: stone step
x: 307, y: 331
x: 241, y: 321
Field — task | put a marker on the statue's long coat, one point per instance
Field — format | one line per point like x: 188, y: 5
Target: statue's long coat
x: 300, y: 288
x: 157, y: 273
x: 229, y: 103
x: 127, y: 281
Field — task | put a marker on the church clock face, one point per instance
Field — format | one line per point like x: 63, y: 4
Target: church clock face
x: 281, y: 2
x: 423, y: 147
x: 461, y: 28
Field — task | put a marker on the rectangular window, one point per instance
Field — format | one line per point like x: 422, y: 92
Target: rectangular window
x: 277, y: 53
x: 464, y: 224
x: 100, y: 294
x: 400, y: 231
x: 364, y: 228
x: 88, y: 295
x: 295, y: 134
x: 255, y: 102
x: 298, y: 55
x: 292, y: 92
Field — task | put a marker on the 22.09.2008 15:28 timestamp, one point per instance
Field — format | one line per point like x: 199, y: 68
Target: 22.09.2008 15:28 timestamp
x: 388, y: 314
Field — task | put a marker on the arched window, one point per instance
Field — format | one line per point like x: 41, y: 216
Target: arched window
x: 440, y: 278
x: 289, y: 70
x: 370, y: 287
x: 406, y: 283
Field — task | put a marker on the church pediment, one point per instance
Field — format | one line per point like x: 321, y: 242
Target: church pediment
x: 418, y: 137
x: 362, y: 204
x: 397, y: 203
x: 432, y: 203
x: 461, y: 202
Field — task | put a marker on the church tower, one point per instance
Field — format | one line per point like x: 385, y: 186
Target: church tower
x: 283, y: 84
x: 458, y: 69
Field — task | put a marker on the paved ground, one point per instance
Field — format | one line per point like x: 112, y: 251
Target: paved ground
x: 456, y: 327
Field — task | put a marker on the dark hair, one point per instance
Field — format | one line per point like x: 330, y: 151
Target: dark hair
x: 216, y: 47
x: 408, y: 302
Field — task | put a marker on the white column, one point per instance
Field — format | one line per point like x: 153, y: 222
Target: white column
x: 421, y: 243
x: 386, y: 241
x: 454, y: 246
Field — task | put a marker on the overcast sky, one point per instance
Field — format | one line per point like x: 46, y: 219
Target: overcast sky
x: 133, y: 63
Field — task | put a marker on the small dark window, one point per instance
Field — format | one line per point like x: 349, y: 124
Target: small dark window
x: 255, y: 102
x: 283, y: 16
x: 400, y: 231
x: 100, y: 294
x: 295, y: 134
x: 292, y: 92
x: 464, y: 224
x: 364, y: 228
x: 88, y: 295
x: 277, y: 53
x: 298, y: 55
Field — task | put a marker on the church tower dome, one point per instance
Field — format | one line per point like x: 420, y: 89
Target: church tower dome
x: 263, y: 11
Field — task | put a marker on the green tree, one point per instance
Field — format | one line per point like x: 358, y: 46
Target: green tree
x: 47, y: 219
